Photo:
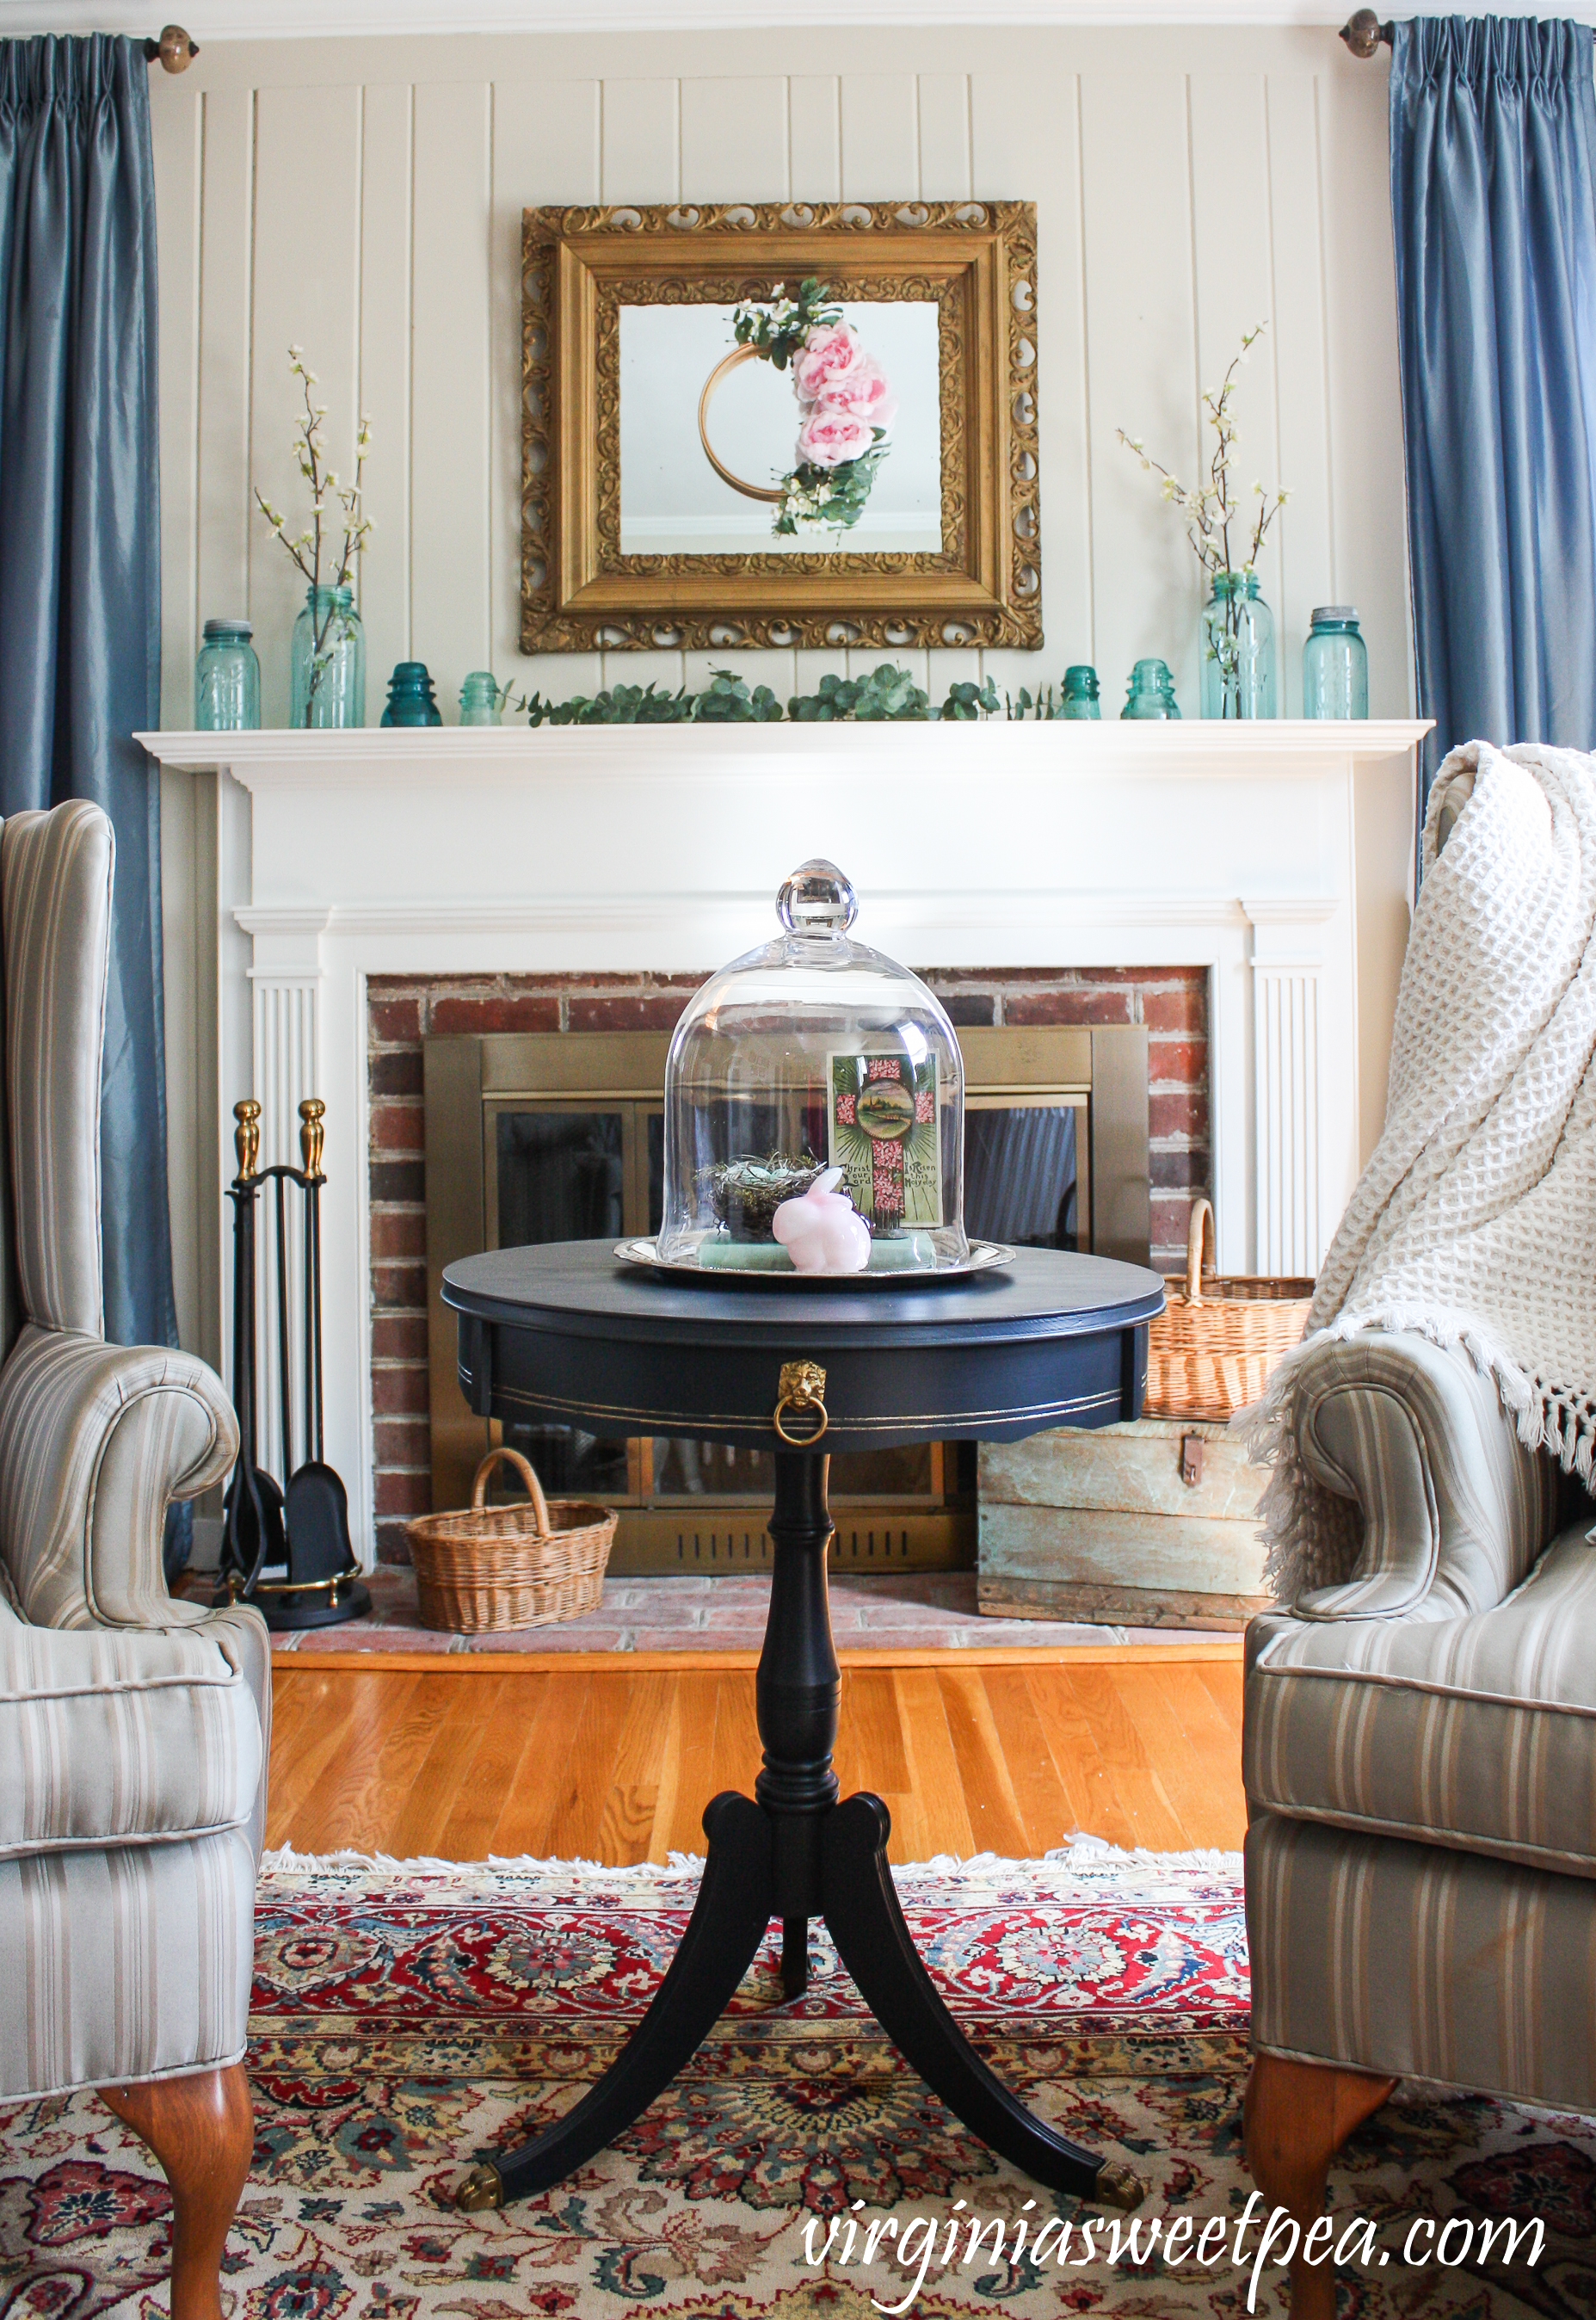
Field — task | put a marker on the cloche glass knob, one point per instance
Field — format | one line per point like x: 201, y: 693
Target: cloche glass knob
x: 816, y: 899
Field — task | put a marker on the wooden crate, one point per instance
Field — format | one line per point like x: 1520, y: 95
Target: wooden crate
x: 1100, y: 1525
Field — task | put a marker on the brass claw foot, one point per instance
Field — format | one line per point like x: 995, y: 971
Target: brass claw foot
x: 1118, y: 2186
x: 480, y: 2189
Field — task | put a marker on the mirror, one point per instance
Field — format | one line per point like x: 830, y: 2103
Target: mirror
x: 758, y: 426
x: 709, y: 430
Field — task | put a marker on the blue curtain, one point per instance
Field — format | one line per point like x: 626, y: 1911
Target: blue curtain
x: 1492, y: 149
x: 80, y: 564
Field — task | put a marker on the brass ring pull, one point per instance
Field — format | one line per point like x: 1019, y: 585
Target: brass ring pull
x: 801, y: 1386
x: 738, y: 356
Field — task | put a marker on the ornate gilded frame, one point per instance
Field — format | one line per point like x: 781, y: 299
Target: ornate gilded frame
x: 579, y: 265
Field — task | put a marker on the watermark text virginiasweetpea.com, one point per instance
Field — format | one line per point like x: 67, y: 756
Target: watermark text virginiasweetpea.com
x: 958, y: 2240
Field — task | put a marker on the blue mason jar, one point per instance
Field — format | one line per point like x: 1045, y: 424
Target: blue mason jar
x: 1238, y: 649
x: 1334, y: 665
x: 227, y: 680
x: 327, y: 661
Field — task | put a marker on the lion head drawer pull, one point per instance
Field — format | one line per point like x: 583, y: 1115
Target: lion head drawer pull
x: 803, y: 1389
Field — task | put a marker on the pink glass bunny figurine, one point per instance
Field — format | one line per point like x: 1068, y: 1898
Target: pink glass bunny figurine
x: 821, y: 1230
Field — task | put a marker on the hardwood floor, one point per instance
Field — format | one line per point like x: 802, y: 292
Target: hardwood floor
x: 613, y: 1757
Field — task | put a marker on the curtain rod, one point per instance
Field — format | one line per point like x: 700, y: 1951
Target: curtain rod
x: 177, y: 51
x: 1363, y: 33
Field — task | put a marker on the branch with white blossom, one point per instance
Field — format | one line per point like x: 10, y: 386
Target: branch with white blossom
x: 335, y: 511
x: 1210, y: 509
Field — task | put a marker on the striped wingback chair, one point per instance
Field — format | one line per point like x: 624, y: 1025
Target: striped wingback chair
x: 1419, y: 1748
x: 132, y: 1728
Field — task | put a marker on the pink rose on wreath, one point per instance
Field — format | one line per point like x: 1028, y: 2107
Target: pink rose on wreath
x: 828, y: 438
x: 862, y: 393
x: 828, y: 354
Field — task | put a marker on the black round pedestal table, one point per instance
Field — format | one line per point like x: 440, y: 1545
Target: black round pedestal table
x: 567, y: 1333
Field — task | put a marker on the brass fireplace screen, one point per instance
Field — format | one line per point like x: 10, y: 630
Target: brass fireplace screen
x: 558, y: 1136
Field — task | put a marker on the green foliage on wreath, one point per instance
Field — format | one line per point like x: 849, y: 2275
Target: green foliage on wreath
x: 779, y: 328
x: 833, y: 497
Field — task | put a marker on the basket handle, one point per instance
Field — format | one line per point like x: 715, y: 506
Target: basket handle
x: 534, y: 1488
x: 1200, y: 1228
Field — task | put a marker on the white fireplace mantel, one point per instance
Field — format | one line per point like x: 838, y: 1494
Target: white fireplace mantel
x: 1277, y: 855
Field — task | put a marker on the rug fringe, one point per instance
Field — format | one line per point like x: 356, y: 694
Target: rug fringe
x: 1078, y: 1853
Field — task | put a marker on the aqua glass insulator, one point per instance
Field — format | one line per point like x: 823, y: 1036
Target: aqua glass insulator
x: 1080, y: 691
x: 411, y: 698
x: 481, y: 701
x: 1151, y: 692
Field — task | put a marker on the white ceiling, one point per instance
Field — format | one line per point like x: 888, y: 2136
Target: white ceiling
x: 216, y: 19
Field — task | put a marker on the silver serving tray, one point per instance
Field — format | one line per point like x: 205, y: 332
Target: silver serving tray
x: 985, y: 1255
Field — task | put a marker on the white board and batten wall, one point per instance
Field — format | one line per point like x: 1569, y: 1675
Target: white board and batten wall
x: 362, y: 197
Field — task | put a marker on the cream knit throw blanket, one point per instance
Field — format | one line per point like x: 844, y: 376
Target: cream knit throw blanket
x: 1476, y: 1218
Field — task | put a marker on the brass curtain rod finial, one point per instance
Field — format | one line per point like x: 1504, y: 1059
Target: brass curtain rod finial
x: 176, y: 51
x: 1363, y: 33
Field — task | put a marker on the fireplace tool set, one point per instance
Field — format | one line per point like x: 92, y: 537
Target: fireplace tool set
x: 303, y: 1524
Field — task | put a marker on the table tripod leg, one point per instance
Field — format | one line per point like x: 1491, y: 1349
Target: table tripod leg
x: 873, y: 1941
x: 794, y: 1956
x: 723, y: 1935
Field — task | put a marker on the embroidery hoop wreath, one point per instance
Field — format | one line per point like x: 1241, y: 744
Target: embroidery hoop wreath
x: 809, y: 498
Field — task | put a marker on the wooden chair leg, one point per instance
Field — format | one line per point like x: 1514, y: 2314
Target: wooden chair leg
x: 201, y: 2128
x: 1297, y: 2116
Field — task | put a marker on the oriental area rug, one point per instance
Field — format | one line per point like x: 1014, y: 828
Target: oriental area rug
x: 411, y: 2016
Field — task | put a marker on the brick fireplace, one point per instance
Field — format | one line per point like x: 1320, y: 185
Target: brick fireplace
x: 1172, y: 1002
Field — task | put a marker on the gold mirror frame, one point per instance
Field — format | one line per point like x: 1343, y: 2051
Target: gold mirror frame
x: 580, y: 267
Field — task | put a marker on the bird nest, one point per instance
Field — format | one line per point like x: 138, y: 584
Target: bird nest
x: 745, y: 1194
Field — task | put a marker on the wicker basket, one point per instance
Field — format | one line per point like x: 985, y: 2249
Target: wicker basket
x: 1212, y: 1349
x: 517, y: 1566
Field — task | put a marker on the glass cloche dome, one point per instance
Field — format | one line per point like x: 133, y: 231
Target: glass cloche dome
x: 814, y: 1102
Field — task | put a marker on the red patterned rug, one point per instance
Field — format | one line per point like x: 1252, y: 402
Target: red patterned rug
x: 412, y: 2016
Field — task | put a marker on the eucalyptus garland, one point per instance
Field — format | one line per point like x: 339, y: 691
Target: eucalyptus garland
x: 887, y: 695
